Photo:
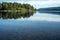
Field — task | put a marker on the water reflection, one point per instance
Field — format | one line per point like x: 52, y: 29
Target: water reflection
x: 51, y: 12
x: 15, y: 15
x: 28, y: 29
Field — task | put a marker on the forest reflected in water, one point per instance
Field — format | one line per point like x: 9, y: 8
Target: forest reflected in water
x: 50, y: 12
x: 33, y: 26
x: 15, y: 15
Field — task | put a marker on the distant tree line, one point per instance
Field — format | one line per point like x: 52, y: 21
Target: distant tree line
x: 49, y: 9
x: 16, y: 6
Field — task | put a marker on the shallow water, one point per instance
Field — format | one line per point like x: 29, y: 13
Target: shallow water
x: 40, y: 26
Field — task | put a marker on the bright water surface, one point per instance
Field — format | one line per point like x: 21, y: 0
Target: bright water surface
x: 40, y: 26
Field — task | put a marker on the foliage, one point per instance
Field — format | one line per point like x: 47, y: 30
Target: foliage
x: 15, y: 6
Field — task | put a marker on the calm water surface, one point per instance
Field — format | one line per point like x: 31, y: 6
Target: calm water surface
x: 40, y: 26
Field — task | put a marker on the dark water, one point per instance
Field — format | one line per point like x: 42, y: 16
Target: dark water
x: 39, y: 26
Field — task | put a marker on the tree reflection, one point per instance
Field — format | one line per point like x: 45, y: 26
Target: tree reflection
x: 15, y: 15
x: 50, y: 12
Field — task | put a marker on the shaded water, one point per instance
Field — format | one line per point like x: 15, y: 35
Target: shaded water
x: 39, y: 26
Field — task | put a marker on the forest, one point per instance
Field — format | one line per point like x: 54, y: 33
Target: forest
x: 8, y: 6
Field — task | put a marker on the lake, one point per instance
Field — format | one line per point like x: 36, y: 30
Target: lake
x: 39, y: 26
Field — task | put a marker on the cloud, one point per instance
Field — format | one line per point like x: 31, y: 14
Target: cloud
x: 22, y: 0
x: 38, y: 3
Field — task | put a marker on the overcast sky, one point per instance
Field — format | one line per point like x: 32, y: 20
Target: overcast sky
x: 37, y: 3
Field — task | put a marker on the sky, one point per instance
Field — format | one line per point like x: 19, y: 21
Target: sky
x: 37, y: 3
